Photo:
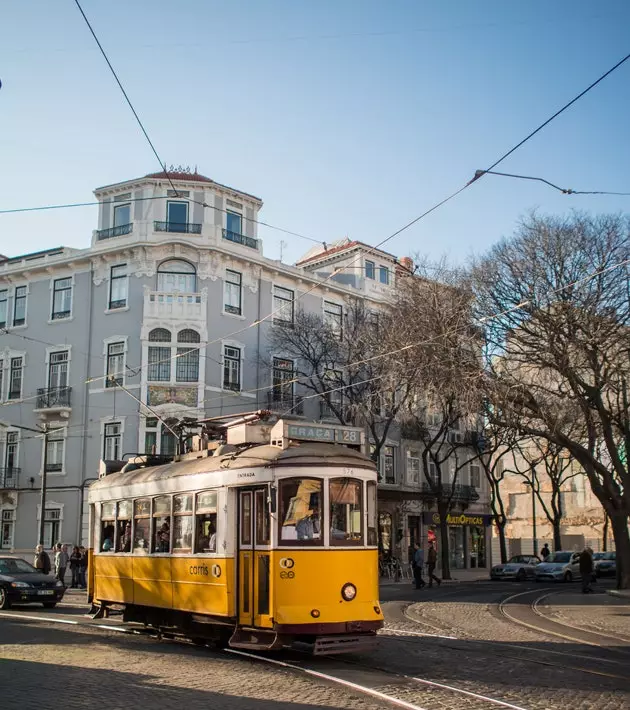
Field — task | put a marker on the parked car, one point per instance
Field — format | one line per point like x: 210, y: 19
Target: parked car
x: 559, y: 567
x: 605, y: 563
x: 21, y: 583
x: 519, y: 567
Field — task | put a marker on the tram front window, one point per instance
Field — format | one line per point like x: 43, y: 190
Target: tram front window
x: 345, y: 511
x: 300, y: 511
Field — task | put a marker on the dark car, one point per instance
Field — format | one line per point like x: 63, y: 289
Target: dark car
x: 21, y: 583
x: 605, y: 563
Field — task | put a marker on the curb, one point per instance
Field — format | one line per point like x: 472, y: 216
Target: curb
x: 622, y: 593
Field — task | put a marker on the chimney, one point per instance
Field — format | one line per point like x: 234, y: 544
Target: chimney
x: 406, y: 263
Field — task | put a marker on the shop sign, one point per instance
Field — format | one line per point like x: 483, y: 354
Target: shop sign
x: 458, y: 519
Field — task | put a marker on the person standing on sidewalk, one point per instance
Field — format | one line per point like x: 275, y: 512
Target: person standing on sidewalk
x: 61, y: 562
x: 42, y: 561
x: 83, y: 567
x: 75, y: 563
x: 586, y: 569
x: 431, y: 563
x: 418, y: 564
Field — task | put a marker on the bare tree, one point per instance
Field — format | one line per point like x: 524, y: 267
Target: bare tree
x: 344, y: 363
x: 554, y: 301
x: 431, y: 318
x: 546, y: 468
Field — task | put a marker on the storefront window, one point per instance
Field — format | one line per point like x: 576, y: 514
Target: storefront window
x: 345, y: 511
x: 300, y: 511
x: 456, y: 547
x: 477, y: 546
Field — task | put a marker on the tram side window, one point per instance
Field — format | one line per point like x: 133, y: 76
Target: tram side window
x: 182, y: 523
x: 123, y: 526
x: 300, y: 511
x: 141, y: 525
x: 161, y: 524
x: 345, y: 511
x: 108, y: 525
x: 206, y: 522
x: 372, y: 531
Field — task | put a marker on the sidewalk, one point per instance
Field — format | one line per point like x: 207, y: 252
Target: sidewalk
x: 458, y: 576
x: 623, y: 593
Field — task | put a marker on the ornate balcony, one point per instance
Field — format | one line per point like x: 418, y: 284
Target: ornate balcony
x: 175, y: 306
x: 240, y: 239
x: 9, y: 477
x: 53, y: 398
x: 459, y: 492
x: 180, y: 227
x: 118, y: 231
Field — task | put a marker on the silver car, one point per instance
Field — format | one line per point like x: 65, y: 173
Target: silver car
x: 605, y: 563
x: 559, y: 567
x: 519, y: 567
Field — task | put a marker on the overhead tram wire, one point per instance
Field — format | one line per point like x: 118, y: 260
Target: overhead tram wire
x: 563, y: 190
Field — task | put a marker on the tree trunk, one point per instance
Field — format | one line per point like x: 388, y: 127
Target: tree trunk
x: 605, y: 533
x: 444, y: 551
x: 619, y: 523
x: 557, y: 538
x: 502, y: 540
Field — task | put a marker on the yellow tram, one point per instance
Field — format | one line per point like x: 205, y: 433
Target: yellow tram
x: 265, y: 541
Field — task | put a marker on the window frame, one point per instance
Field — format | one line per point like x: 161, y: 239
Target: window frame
x: 384, y: 275
x: 333, y: 318
x: 370, y: 270
x: 13, y: 369
x: 409, y: 459
x: 199, y: 511
x: 116, y: 281
x: 117, y: 207
x: 228, y: 359
x: 56, y: 442
x: 338, y: 542
x: 119, y: 376
x: 237, y: 286
x: 190, y: 274
x: 4, y: 307
x: 18, y: 322
x: 168, y: 220
x: 232, y: 213
x: 281, y: 302
x: 277, y: 388
x: 56, y: 290
x: 110, y: 437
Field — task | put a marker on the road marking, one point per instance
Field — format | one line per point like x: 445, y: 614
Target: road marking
x: 332, y: 678
x: 38, y: 618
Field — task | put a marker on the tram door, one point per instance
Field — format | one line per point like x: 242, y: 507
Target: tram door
x: 254, y: 573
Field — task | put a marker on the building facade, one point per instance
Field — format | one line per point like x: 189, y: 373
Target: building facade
x: 168, y: 309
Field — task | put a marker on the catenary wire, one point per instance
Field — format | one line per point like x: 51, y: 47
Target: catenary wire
x: 563, y: 190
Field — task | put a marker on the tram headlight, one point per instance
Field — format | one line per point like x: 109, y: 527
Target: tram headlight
x: 348, y: 592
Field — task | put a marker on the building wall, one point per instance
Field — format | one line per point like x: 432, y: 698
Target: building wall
x: 92, y: 325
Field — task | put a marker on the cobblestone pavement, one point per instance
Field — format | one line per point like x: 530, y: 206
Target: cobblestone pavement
x: 85, y: 667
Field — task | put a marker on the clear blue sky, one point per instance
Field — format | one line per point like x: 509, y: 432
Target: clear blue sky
x: 348, y: 117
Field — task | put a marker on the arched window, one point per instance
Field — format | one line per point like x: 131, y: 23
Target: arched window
x: 177, y: 276
x: 188, y: 336
x: 160, y: 335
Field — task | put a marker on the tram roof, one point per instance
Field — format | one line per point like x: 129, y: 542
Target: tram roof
x: 310, y: 454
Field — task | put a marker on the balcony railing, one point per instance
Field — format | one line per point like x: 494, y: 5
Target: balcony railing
x: 9, y: 477
x: 53, y: 397
x: 181, y: 227
x: 167, y: 305
x: 458, y: 492
x: 285, y: 403
x: 240, y: 239
x: 118, y: 231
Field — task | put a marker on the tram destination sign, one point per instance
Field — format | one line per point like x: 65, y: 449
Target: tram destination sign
x: 331, y: 435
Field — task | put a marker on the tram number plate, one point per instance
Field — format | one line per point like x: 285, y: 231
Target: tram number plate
x: 46, y: 591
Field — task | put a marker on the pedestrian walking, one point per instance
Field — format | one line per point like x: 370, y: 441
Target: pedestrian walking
x: 75, y: 564
x: 586, y: 569
x: 545, y: 552
x: 83, y: 567
x: 417, y: 562
x: 42, y: 561
x: 431, y: 563
x: 61, y: 562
